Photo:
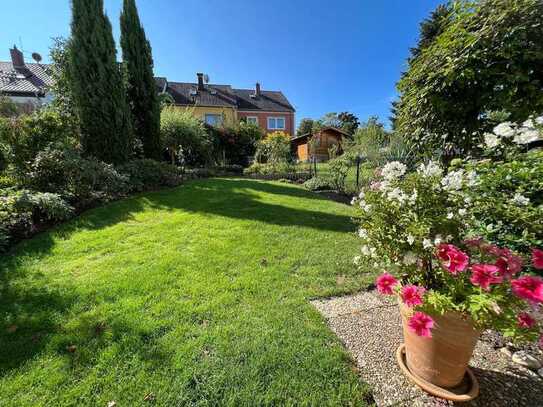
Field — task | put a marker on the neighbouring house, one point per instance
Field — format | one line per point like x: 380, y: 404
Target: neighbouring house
x: 316, y: 145
x: 219, y: 105
x: 25, y: 83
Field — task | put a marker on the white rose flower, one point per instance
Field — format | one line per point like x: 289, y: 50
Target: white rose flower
x: 450, y: 215
x: 368, y: 251
x: 356, y: 260
x: 527, y: 136
x: 409, y: 258
x: 410, y: 239
x: 539, y: 120
x: 353, y: 201
x: 462, y: 211
x: 361, y: 195
x: 430, y: 170
x: 398, y: 195
x: 520, y: 200
x: 438, y: 239
x: 453, y: 180
x: 427, y: 243
x: 365, y: 206
x: 393, y: 170
x: 491, y: 140
x: 362, y: 233
x: 504, y: 129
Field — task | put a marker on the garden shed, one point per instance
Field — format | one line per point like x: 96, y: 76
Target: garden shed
x: 324, y: 140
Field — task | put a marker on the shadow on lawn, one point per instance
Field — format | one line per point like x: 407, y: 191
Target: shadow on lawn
x: 230, y: 197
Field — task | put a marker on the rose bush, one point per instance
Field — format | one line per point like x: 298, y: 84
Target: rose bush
x: 418, y: 227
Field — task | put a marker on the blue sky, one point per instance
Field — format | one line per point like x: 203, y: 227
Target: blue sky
x: 325, y: 56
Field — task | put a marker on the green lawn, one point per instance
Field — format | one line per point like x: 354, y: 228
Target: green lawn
x: 197, y: 295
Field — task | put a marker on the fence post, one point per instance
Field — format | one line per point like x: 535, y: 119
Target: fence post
x: 357, y: 172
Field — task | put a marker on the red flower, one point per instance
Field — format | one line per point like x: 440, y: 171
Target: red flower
x: 385, y: 282
x: 421, y: 324
x: 412, y: 295
x: 508, y: 263
x: 529, y: 288
x: 537, y: 258
x: 483, y: 275
x: 452, y: 258
x: 524, y: 320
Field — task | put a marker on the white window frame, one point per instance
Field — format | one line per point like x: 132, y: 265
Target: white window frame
x: 219, y: 122
x: 275, y: 121
x: 252, y: 117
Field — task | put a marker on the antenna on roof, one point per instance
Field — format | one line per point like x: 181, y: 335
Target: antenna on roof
x: 206, y: 78
x: 36, y: 57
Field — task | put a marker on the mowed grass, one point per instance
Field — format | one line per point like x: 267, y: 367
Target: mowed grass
x: 197, y: 295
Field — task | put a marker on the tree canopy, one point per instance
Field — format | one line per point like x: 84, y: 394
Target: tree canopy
x: 482, y: 57
x: 97, y: 85
x: 140, y: 83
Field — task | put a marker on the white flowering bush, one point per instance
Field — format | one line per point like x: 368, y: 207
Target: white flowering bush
x: 403, y: 216
x: 510, y: 138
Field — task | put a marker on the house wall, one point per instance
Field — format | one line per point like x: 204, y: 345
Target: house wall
x: 229, y: 113
x: 263, y: 119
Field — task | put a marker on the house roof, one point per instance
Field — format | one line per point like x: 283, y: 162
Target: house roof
x: 186, y: 93
x: 31, y: 80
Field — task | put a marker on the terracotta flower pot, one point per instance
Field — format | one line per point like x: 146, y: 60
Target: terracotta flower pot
x: 442, y: 359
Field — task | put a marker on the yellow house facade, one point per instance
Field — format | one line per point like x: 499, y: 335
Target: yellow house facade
x: 213, y: 115
x: 222, y: 105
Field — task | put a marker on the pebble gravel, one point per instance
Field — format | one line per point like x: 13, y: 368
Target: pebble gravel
x: 369, y: 326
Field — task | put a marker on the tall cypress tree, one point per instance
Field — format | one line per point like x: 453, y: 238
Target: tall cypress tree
x: 97, y: 85
x: 141, y: 88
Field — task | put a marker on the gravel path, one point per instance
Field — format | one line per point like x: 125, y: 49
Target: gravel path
x: 370, y: 327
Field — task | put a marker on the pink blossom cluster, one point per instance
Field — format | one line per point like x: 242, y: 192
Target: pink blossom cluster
x: 505, y: 268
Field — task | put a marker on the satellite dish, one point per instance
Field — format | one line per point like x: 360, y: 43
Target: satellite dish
x: 206, y: 78
x: 36, y: 57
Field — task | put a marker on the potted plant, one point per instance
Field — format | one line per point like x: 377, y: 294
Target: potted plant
x: 449, y: 286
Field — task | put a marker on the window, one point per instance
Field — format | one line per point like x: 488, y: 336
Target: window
x: 276, y: 123
x: 252, y: 120
x: 213, y: 119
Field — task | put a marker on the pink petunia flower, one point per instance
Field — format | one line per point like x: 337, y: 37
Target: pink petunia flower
x: 525, y: 320
x: 412, y: 295
x: 537, y: 258
x: 483, y: 275
x: 421, y: 324
x: 508, y: 263
x: 385, y: 283
x: 452, y: 258
x: 529, y: 288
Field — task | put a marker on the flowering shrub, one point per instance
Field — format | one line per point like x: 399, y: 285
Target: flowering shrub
x: 413, y: 225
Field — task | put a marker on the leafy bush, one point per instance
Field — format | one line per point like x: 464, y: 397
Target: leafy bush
x: 145, y: 174
x: 270, y: 169
x: 200, y: 173
x: 230, y: 169
x: 338, y: 170
x: 235, y: 145
x: 274, y: 148
x: 22, y: 210
x: 79, y: 179
x: 508, y: 201
x: 24, y: 137
x: 318, y: 184
x: 487, y: 56
x: 179, y: 129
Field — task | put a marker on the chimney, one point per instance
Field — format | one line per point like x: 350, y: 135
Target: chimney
x: 257, y: 89
x: 17, y: 58
x: 200, y: 80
